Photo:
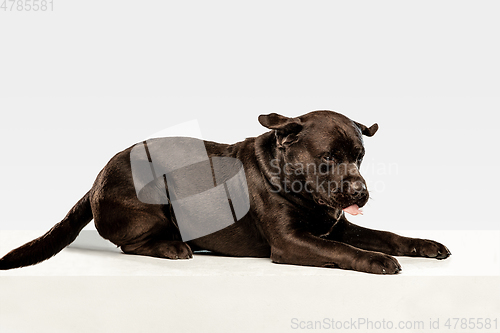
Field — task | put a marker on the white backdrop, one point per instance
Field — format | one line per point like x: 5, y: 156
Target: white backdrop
x: 90, y: 78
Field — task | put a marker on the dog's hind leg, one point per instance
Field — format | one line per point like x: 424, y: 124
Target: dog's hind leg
x: 160, y: 248
x: 139, y: 228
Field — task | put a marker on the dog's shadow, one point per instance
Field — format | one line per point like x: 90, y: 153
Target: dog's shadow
x: 90, y: 240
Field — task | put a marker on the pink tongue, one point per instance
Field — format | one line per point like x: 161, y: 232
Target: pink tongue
x: 353, y: 210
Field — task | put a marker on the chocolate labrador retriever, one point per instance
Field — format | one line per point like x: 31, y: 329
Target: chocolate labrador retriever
x: 300, y: 179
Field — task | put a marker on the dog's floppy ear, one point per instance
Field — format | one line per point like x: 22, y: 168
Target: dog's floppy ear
x: 285, y: 129
x: 368, y: 131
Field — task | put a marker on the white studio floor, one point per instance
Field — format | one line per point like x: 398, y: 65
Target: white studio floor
x: 92, y: 286
x: 474, y: 253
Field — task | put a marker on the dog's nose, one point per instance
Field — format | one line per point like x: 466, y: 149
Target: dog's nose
x: 357, y: 188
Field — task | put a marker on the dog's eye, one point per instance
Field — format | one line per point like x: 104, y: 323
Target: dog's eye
x: 330, y: 158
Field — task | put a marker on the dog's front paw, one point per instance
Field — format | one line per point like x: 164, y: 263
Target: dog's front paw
x: 378, y: 263
x: 430, y: 249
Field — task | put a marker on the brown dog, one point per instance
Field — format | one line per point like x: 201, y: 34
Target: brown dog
x: 301, y: 177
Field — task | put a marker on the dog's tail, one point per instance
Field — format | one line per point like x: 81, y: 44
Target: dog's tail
x: 56, y: 239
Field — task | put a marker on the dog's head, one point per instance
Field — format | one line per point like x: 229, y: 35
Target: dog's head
x: 318, y: 155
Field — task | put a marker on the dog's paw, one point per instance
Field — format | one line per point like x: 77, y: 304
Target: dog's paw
x: 176, y: 250
x: 161, y: 249
x: 378, y: 263
x: 429, y: 249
